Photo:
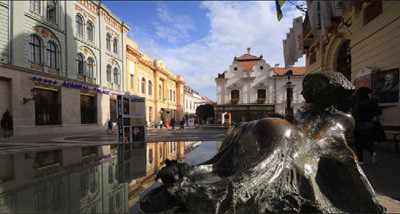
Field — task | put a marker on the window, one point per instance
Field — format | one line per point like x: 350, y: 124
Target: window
x: 110, y: 174
x: 173, y: 96
x: 90, y: 67
x: 116, y: 76
x: 88, y: 109
x: 36, y: 6
x: 108, y: 41
x: 160, y: 94
x: 80, y: 60
x: 150, y: 156
x: 51, y: 11
x: 108, y: 71
x: 343, y: 60
x: 143, y: 85
x: 115, y: 45
x: 90, y: 31
x: 372, y: 10
x: 113, y: 110
x: 79, y: 25
x: 132, y: 80
x: 150, y: 87
x: 47, y: 107
x: 235, y: 96
x: 36, y: 50
x: 261, y: 95
x: 150, y: 114
x: 170, y: 94
x: 51, y: 52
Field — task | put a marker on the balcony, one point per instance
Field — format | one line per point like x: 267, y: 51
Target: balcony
x: 235, y: 101
x: 261, y: 101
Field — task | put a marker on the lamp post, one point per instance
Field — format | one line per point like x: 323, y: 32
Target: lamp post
x: 289, y: 97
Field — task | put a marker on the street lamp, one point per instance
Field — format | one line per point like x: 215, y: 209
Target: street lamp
x: 289, y: 97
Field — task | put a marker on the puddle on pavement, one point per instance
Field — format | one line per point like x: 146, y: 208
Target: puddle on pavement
x: 90, y: 179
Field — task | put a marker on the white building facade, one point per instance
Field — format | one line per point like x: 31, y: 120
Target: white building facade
x: 61, y: 64
x: 251, y: 88
x: 192, y: 100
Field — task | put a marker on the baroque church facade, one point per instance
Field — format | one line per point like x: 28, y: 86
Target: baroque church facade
x: 251, y: 88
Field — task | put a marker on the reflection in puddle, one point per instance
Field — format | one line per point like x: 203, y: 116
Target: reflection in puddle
x: 91, y: 179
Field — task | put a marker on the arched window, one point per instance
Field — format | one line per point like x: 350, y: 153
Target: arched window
x: 51, y: 52
x: 160, y: 92
x: 143, y: 85
x: 116, y: 76
x: 51, y: 11
x: 235, y: 95
x: 36, y: 6
x: 108, y: 41
x: 80, y: 60
x: 108, y: 73
x: 90, y: 67
x: 115, y: 45
x: 150, y: 87
x: 36, y: 49
x: 79, y: 25
x: 90, y: 31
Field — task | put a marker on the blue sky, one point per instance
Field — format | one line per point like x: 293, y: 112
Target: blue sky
x: 199, y: 39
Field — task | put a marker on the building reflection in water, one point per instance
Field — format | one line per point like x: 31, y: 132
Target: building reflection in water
x: 86, y: 179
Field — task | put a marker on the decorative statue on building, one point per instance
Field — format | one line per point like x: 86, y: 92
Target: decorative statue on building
x: 273, y: 166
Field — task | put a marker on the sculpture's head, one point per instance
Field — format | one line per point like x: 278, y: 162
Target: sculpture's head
x: 325, y: 89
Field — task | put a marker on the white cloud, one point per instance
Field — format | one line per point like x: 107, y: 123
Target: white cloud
x: 172, y: 27
x: 234, y: 27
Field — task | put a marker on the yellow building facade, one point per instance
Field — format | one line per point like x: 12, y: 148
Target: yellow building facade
x: 149, y: 78
x: 365, y: 40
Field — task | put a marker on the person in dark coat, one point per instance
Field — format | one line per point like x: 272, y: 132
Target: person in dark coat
x: 173, y: 123
x: 365, y: 113
x: 7, y: 123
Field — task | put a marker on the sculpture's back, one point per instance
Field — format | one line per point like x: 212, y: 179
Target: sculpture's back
x: 270, y: 165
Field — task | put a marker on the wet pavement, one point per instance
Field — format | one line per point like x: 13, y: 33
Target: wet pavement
x: 384, y: 175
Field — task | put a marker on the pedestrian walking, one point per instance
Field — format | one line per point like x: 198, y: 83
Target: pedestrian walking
x: 7, y: 123
x: 365, y: 112
x: 183, y: 124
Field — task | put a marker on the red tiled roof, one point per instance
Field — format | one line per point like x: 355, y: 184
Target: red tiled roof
x: 247, y: 61
x: 280, y: 71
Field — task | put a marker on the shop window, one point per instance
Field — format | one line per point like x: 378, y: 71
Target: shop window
x: 235, y: 95
x: 150, y: 87
x: 143, y: 85
x: 372, y: 10
x: 88, y: 109
x: 261, y: 96
x: 108, y: 71
x: 79, y: 25
x: 51, y: 11
x: 90, y: 31
x: 36, y: 50
x: 52, y: 58
x: 47, y: 107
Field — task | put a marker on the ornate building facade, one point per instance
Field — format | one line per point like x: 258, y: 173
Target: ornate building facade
x: 360, y: 43
x: 62, y: 64
x: 251, y: 89
x: 149, y: 78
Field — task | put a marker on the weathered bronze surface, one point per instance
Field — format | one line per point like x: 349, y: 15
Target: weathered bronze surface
x: 273, y: 166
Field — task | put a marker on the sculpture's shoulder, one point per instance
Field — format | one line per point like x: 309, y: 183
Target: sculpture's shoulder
x: 343, y: 119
